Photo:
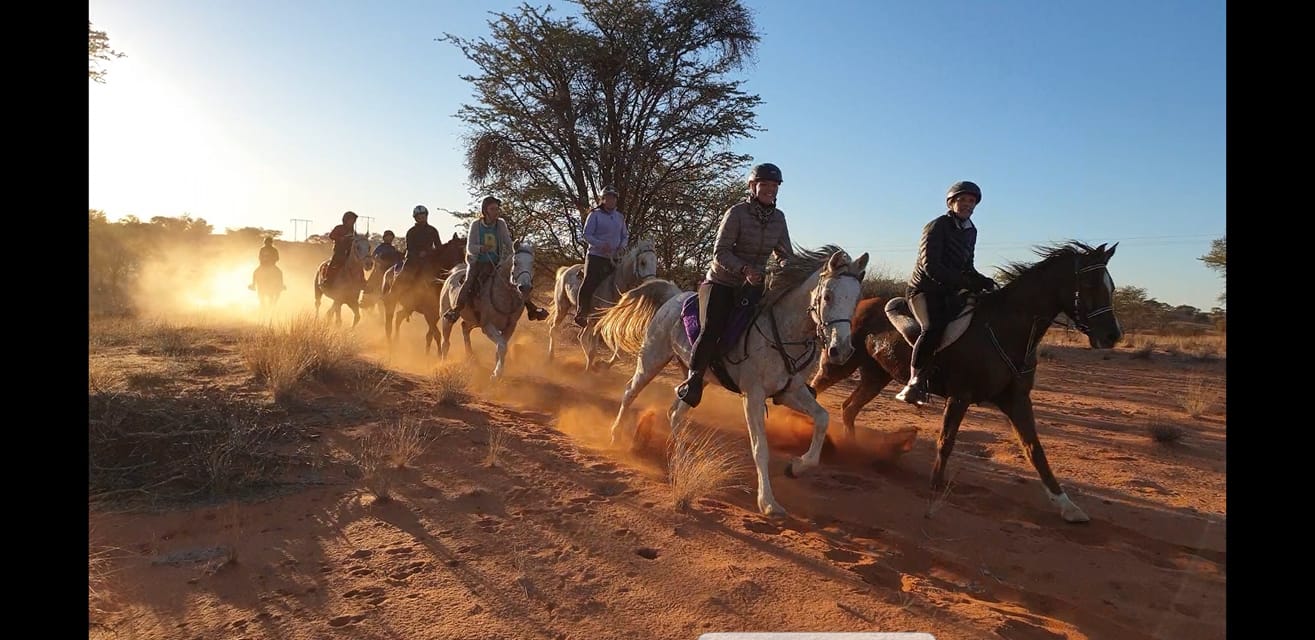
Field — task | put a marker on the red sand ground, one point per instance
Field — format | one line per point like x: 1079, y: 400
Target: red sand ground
x: 564, y: 537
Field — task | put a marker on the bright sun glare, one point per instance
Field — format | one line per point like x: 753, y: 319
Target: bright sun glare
x: 154, y: 152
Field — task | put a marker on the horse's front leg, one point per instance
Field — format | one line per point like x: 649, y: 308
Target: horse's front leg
x: 501, y: 342
x: 755, y: 415
x: 799, y: 399
x: 1019, y: 412
x: 955, y: 409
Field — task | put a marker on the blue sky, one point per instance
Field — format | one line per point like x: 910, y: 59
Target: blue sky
x: 1102, y: 122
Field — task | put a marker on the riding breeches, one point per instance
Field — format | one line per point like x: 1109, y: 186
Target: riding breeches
x: 596, y: 269
x: 931, y: 310
x: 716, y: 302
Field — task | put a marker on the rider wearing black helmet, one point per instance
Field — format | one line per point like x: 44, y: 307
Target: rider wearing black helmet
x: 386, y: 254
x: 943, y: 269
x: 750, y: 232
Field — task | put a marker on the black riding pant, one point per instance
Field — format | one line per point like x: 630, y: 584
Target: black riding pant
x: 932, y: 309
x: 720, y: 304
x: 596, y: 269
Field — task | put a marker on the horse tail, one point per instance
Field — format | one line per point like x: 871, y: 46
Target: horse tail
x: 624, y: 325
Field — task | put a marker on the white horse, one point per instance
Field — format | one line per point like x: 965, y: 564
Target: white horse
x: 495, y: 308
x: 347, y: 284
x: 637, y: 266
x: 808, y: 298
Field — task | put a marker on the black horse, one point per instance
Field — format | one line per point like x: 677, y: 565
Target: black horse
x: 422, y: 295
x: 988, y: 354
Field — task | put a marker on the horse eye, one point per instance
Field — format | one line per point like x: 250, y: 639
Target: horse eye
x: 827, y: 297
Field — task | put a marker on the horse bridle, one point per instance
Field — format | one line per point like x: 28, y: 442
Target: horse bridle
x: 516, y: 275
x: 1079, y: 317
x: 823, y: 323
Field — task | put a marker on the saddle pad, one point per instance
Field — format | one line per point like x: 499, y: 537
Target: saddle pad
x: 735, y: 326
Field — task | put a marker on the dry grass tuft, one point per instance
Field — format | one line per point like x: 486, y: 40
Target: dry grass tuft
x: 168, y: 449
x: 104, y: 333
x: 497, y: 442
x: 369, y: 384
x: 450, y: 384
x: 700, y: 465
x: 284, y: 356
x: 100, y: 566
x: 1198, y: 397
x: 403, y: 442
x: 1164, y: 432
x: 937, y: 500
x: 104, y: 380
x: 387, y: 449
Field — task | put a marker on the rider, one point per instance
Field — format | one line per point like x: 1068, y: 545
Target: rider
x: 422, y: 240
x: 269, y: 258
x: 487, y: 244
x: 944, y: 268
x: 750, y: 232
x: 386, y: 255
x: 606, y: 233
x: 342, y: 237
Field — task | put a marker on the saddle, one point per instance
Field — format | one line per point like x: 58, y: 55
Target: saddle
x: 746, y: 308
x: 901, y: 316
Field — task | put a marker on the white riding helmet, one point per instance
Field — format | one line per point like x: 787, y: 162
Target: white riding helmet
x: 420, y: 210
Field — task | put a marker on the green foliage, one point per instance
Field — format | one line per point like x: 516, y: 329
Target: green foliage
x: 1217, y: 259
x: 633, y: 94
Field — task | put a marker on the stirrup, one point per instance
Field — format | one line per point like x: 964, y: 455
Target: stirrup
x: 453, y: 314
x: 691, y: 390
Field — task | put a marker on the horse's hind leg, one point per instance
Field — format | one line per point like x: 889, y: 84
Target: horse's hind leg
x: 872, y: 379
x: 650, y: 363
x: 1019, y: 412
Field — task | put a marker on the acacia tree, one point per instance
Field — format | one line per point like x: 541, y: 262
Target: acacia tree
x: 98, y: 48
x: 1217, y: 259
x: 633, y: 94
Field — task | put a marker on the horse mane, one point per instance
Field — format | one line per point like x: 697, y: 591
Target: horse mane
x: 794, y: 270
x: 1049, y: 253
x: 1052, y: 253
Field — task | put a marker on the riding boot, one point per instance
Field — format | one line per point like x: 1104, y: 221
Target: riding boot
x: 691, y: 390
x: 915, y: 392
x: 534, y: 313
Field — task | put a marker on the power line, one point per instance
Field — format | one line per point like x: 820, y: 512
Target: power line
x: 294, y: 228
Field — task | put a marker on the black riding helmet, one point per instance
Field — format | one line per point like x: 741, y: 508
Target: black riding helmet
x: 350, y: 216
x: 963, y: 186
x: 766, y: 171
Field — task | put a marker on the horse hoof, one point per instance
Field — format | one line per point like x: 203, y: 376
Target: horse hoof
x: 1075, y: 516
x: 773, y: 510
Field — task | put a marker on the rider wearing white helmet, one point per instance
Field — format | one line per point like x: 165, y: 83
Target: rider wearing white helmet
x: 422, y: 240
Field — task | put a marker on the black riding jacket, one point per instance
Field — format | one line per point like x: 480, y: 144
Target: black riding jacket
x: 421, y: 239
x: 945, y: 258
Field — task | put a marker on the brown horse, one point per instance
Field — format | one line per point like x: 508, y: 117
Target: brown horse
x: 422, y: 294
x: 988, y: 354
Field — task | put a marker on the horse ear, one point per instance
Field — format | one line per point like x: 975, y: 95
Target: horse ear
x: 839, y: 260
x: 1110, y: 253
x: 861, y: 264
x: 1101, y: 248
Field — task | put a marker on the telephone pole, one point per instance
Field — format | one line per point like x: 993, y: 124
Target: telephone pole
x: 294, y: 228
x: 367, y: 220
